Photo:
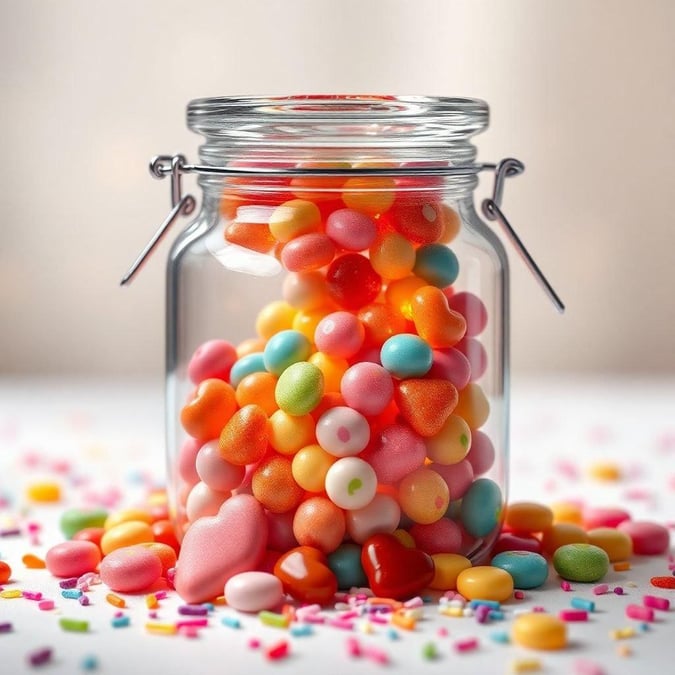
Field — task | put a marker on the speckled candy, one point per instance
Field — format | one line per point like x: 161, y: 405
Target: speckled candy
x: 72, y: 558
x: 253, y: 591
x: 299, y: 388
x: 581, y: 562
x: 130, y: 569
x: 367, y: 387
x: 426, y: 404
x: 528, y: 570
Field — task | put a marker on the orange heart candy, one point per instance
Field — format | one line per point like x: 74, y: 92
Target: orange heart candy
x: 244, y: 438
x: 209, y: 410
x: 426, y: 404
x: 435, y: 322
x: 305, y: 575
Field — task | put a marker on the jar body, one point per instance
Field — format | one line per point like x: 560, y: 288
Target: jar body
x: 338, y: 348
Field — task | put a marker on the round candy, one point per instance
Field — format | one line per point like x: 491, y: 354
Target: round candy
x: 130, y: 569
x: 280, y: 535
x: 459, y: 477
x: 473, y: 310
x: 319, y: 523
x: 447, y: 567
x: 272, y: 318
x: 299, y: 388
x: 400, y: 292
x: 481, y: 507
x: 481, y: 455
x: 6, y: 571
x: 204, y: 501
x: 443, y: 536
x: 310, y: 466
x: 485, y: 583
x: 345, y: 563
x: 273, y: 485
x: 369, y: 194
x: 476, y: 354
x: 350, y: 229
x: 380, y: 322
x: 351, y: 483
x: 528, y: 569
x: 285, y: 348
x: 436, y: 264
x: 406, y: 355
x: 293, y: 218
x: 72, y: 558
x: 451, y: 444
x: 251, y: 363
x: 332, y: 368
x: 214, y: 358
x: 528, y: 517
x: 617, y: 544
x: 126, y: 534
x: 343, y: 431
x: 392, y: 256
x: 253, y: 591
x: 648, y: 538
x: 421, y: 223
x: 74, y: 520
x: 451, y: 364
x: 383, y: 514
x: 289, y: 433
x: 352, y: 281
x: 339, y: 334
x: 513, y: 542
x: 216, y: 472
x: 539, y: 631
x: 395, y: 452
x: 423, y: 496
x: 306, y: 320
x: 367, y: 387
x: 308, y: 252
x: 257, y: 388
x: 305, y: 290
x: 581, y: 562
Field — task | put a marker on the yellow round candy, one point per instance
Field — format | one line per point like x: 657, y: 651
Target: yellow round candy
x: 528, y: 517
x: 567, y: 512
x: 473, y: 405
x: 310, y: 466
x: 125, y: 515
x: 305, y: 290
x: 560, y: 534
x: 273, y: 318
x: 405, y: 538
x: 392, y: 256
x: 616, y: 544
x: 424, y: 496
x: 332, y: 368
x: 306, y: 321
x: 451, y: 444
x: 289, y: 433
x: 539, y: 631
x: 371, y: 195
x: 126, y: 534
x: 447, y: 567
x: 44, y: 491
x: 485, y: 583
x: 293, y: 218
x: 399, y: 294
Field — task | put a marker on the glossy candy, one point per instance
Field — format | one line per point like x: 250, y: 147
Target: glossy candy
x: 294, y: 218
x: 310, y: 466
x: 367, y: 388
x: 615, y: 543
x: 485, y: 583
x: 253, y: 591
x: 72, y: 558
x: 560, y: 534
x: 436, y: 323
x: 350, y: 229
x: 392, y: 256
x: 406, y: 355
x: 351, y: 483
x: 352, y: 282
x: 381, y: 321
x: 332, y: 368
x: 253, y: 362
x: 254, y: 236
x: 458, y: 477
x: 436, y: 264
x: 216, y: 472
x: 339, y: 334
x: 473, y: 406
x: 603, y: 517
x: 5, y: 572
x: 371, y: 195
x: 423, y: 496
x: 472, y: 308
x: 257, y: 388
x: 421, y: 223
x: 126, y: 534
x: 481, y: 455
x: 528, y: 569
x: 450, y: 364
x: 285, y: 348
x: 290, y: 433
x: 272, y: 318
x: 528, y: 517
x: 447, y: 567
x: 342, y: 431
x: 204, y: 501
x: 537, y: 630
x: 130, y: 569
x: 581, y: 562
x: 212, y: 359
x: 305, y: 290
x: 345, y: 563
x: 451, y: 444
x: 308, y: 252
x: 305, y: 575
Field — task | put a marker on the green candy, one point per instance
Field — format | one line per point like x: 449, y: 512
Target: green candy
x: 581, y: 562
x: 74, y: 520
x: 299, y: 388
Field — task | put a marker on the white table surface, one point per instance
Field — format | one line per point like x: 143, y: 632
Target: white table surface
x: 106, y: 437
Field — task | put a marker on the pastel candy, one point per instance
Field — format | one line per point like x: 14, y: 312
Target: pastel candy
x: 319, y: 523
x: 485, y: 583
x: 581, y: 562
x: 648, y: 538
x: 472, y: 308
x: 307, y: 252
x: 528, y: 569
x: 538, y: 630
x: 130, y: 569
x: 395, y: 452
x: 450, y: 364
x: 214, y: 358
x: 299, y: 388
x: 423, y: 496
x: 435, y: 322
x: 560, y: 534
x: 617, y: 544
x: 382, y: 514
x: 339, y: 334
x: 442, y: 536
x: 250, y: 363
x: 342, y: 431
x: 126, y: 534
x: 351, y: 483
x: 459, y: 476
x: 481, y: 455
x: 447, y: 567
x: 421, y: 223
x: 436, y: 264
x: 451, y: 443
x: 481, y: 507
x: 204, y: 501
x: 253, y: 591
x: 216, y: 472
x: 350, y: 229
x: 285, y: 348
x: 367, y: 387
x: 216, y: 548
x: 293, y: 218
x: 208, y: 410
x: 595, y: 516
x: 72, y: 558
x: 426, y: 404
x: 406, y: 355
x: 73, y: 520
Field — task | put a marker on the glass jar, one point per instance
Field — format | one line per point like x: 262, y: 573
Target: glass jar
x: 338, y: 325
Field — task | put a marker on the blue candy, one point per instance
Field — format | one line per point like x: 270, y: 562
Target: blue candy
x: 481, y: 507
x: 251, y: 363
x: 528, y: 569
x: 406, y: 355
x: 436, y: 264
x: 284, y: 349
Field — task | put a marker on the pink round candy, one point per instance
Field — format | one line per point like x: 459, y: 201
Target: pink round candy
x: 253, y: 591
x: 339, y: 334
x: 130, y: 569
x: 458, y: 476
x: 342, y: 431
x: 367, y: 387
x: 186, y: 461
x: 72, y: 558
x: 307, y: 252
x: 443, y: 536
x: 474, y: 351
x: 648, y: 538
x: 471, y: 307
x: 351, y: 230
x: 395, y: 452
x: 214, y: 358
x: 450, y: 364
x: 219, y: 474
x: 595, y: 517
x: 383, y: 514
x: 203, y: 501
x: 481, y: 454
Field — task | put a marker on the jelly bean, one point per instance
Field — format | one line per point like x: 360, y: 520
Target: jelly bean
x: 451, y: 444
x: 44, y: 491
x: 73, y: 520
x: 280, y: 535
x: 273, y: 485
x: 249, y: 346
x: 130, y: 569
x: 436, y: 264
x: 481, y: 508
x: 319, y: 523
x: 435, y: 322
x: 351, y: 230
x: 186, y: 460
x: 305, y: 290
x: 528, y: 569
x: 306, y: 576
x: 351, y: 483
x: 367, y: 387
x: 5, y: 572
x: 243, y: 439
x: 406, y: 355
x: 423, y: 496
x: 352, y: 282
x: 126, y: 515
x: 299, y: 388
x: 481, y: 455
x: 425, y: 404
x: 392, y: 256
x: 450, y: 364
x: 332, y: 368
x: 92, y: 534
x: 451, y: 224
x: 472, y: 308
x: 308, y: 252
x: 648, y: 538
x: 204, y: 501
x: 447, y: 567
x: 345, y: 563
x: 310, y: 466
x: 485, y: 583
x: 442, y: 536
x: 253, y: 591
x: 274, y: 317
x: 306, y: 321
x: 72, y: 558
x: 254, y: 236
x: 284, y: 349
x: 339, y: 334
x: 616, y: 544
x: 289, y: 433
x: 395, y: 452
x: 458, y: 476
x: 164, y: 533
x: 476, y: 355
x: 293, y: 218
x: 528, y: 517
x: 125, y: 534
x: 212, y: 405
x: 539, y: 631
x: 342, y: 431
x: 213, y: 359
x: 473, y: 405
x: 581, y: 562
x: 399, y: 293
x: 559, y: 534
x: 257, y: 388
x: 419, y: 223
x: 370, y: 195
x: 380, y: 322
x: 382, y: 514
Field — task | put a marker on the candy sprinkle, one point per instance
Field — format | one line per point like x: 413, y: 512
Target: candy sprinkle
x: 279, y: 650
x: 663, y: 582
x: 115, y: 600
x: 74, y: 625
x: 40, y: 656
x: 526, y: 666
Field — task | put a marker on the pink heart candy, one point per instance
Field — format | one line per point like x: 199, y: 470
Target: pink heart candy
x: 216, y: 548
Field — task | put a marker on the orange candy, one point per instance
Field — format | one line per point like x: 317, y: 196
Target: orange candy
x: 274, y: 487
x: 244, y: 438
x: 560, y: 534
x: 451, y: 224
x: 370, y: 195
x: 5, y: 572
x: 435, y: 322
x: 255, y: 236
x: 426, y: 404
x: 165, y: 553
x: 473, y: 405
x: 318, y: 188
x: 319, y: 523
x: 250, y: 346
x: 528, y: 517
x: 400, y: 292
x: 258, y: 388
x: 381, y: 322
x: 211, y: 407
x: 164, y: 534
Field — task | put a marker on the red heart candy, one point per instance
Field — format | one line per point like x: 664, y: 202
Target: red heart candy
x: 393, y: 570
x: 306, y: 576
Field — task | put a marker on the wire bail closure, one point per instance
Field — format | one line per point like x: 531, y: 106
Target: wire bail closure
x: 162, y: 166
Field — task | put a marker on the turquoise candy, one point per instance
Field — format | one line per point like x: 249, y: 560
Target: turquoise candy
x: 581, y: 562
x: 284, y: 349
x: 481, y: 507
x: 528, y: 569
x: 251, y: 363
x: 406, y: 355
x: 299, y: 388
x: 74, y: 520
x: 436, y: 264
x: 345, y: 563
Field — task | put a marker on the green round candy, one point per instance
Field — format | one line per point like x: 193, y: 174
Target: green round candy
x: 345, y: 563
x: 581, y: 562
x: 74, y: 520
x: 299, y: 388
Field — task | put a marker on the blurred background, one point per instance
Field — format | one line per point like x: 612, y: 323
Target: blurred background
x: 582, y: 92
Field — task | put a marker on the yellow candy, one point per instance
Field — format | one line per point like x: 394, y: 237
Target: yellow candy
x: 306, y: 321
x: 451, y: 224
x: 44, y: 491
x: 126, y: 534
x: 447, y: 567
x: 305, y: 290
x: 371, y: 195
x: 616, y: 544
x: 332, y: 368
x: 528, y: 517
x: 473, y: 405
x: 451, y: 444
x: 405, y: 538
x: 125, y: 515
x: 526, y: 666
x: 32, y: 562
x: 392, y: 256
x: 273, y: 318
x: 605, y: 471
x: 294, y: 218
x: 424, y: 496
x: 567, y: 512
x: 539, y: 631
x: 560, y: 534
x: 310, y: 466
x: 485, y: 583
x: 399, y: 294
x: 289, y: 433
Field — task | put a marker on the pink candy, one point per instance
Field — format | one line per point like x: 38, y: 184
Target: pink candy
x: 72, y: 558
x: 308, y: 252
x: 640, y: 613
x: 443, y: 536
x: 212, y: 359
x: 367, y: 387
x: 351, y: 230
x: 130, y: 569
x: 339, y: 334
x: 481, y: 455
x: 595, y: 517
x: 395, y: 452
x: 648, y: 538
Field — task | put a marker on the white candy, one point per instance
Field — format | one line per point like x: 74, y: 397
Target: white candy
x: 203, y: 501
x: 351, y: 483
x: 343, y: 431
x: 253, y: 591
x: 383, y: 514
